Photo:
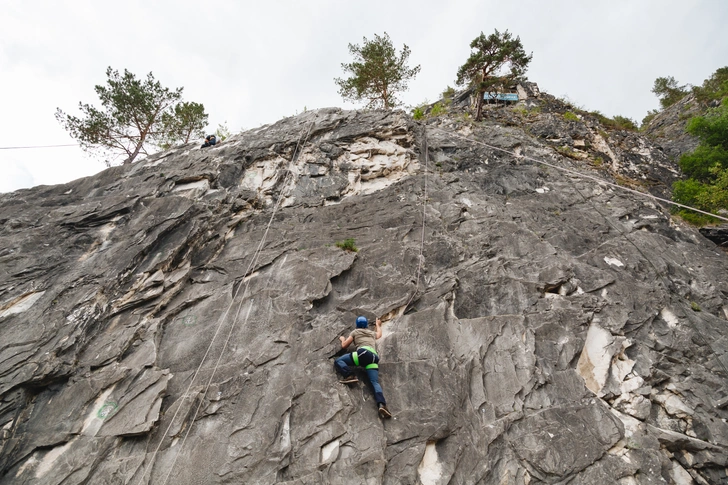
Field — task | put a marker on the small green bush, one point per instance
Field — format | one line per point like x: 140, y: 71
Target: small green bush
x: 695, y: 218
x: 618, y: 123
x: 418, y: 113
x: 568, y: 152
x: 624, y: 123
x: 347, y: 245
x: 437, y: 110
x: 569, y: 116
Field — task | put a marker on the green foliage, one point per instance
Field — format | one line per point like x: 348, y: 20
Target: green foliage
x: 707, y: 167
x: 616, y: 123
x: 437, y: 110
x: 377, y: 73
x: 223, y: 131
x: 711, y: 129
x: 710, y: 196
x: 496, y: 62
x: 713, y: 88
x: 604, y: 120
x: 694, y: 306
x: 625, y: 123
x: 420, y: 112
x: 569, y: 116
x: 188, y: 120
x: 347, y: 245
x: 700, y: 163
x: 135, y: 115
x: 668, y: 91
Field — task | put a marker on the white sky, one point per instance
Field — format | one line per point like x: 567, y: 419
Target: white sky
x: 252, y: 63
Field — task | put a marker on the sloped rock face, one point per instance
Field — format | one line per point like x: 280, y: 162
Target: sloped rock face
x: 622, y: 156
x: 667, y: 128
x: 539, y: 328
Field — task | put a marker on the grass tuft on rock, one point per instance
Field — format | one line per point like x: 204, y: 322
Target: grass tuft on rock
x: 347, y: 245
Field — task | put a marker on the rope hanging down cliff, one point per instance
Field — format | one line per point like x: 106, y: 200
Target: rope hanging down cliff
x: 580, y: 174
x: 424, y: 215
x: 253, y: 261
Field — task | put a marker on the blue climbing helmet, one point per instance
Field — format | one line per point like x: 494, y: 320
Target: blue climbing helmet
x: 362, y: 322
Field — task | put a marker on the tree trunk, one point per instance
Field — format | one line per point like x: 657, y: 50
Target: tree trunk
x: 136, y: 151
x: 479, y: 105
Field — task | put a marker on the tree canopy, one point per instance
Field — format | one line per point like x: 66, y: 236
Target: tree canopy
x: 668, y: 91
x: 378, y: 73
x: 496, y: 62
x: 185, y: 121
x: 135, y: 116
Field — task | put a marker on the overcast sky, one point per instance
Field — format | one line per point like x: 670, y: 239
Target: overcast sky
x: 252, y: 63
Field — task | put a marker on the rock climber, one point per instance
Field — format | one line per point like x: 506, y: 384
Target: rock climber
x: 210, y: 140
x: 365, y: 356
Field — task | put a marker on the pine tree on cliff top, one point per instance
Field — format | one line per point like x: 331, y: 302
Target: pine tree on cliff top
x: 135, y: 116
x: 497, y: 61
x: 378, y: 73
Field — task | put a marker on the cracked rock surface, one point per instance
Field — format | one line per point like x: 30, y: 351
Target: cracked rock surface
x: 174, y: 321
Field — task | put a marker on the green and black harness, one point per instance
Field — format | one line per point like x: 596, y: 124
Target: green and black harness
x: 366, y: 357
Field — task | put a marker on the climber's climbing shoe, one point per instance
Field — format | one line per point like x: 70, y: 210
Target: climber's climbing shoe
x: 384, y: 412
x: 349, y: 380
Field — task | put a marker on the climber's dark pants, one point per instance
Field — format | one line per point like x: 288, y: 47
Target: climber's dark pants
x: 366, y: 358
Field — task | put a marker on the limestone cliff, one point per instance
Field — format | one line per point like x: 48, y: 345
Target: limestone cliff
x: 667, y: 128
x: 174, y: 321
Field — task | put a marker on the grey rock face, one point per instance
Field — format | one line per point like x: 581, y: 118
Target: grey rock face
x: 667, y: 129
x: 539, y: 327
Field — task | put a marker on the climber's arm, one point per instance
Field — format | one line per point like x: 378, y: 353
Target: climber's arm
x: 345, y: 342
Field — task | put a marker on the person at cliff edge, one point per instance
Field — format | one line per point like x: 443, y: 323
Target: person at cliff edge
x: 365, y: 356
x: 210, y: 140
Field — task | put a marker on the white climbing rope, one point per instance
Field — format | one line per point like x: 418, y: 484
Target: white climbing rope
x: 422, y: 239
x: 253, y: 261
x: 580, y: 174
